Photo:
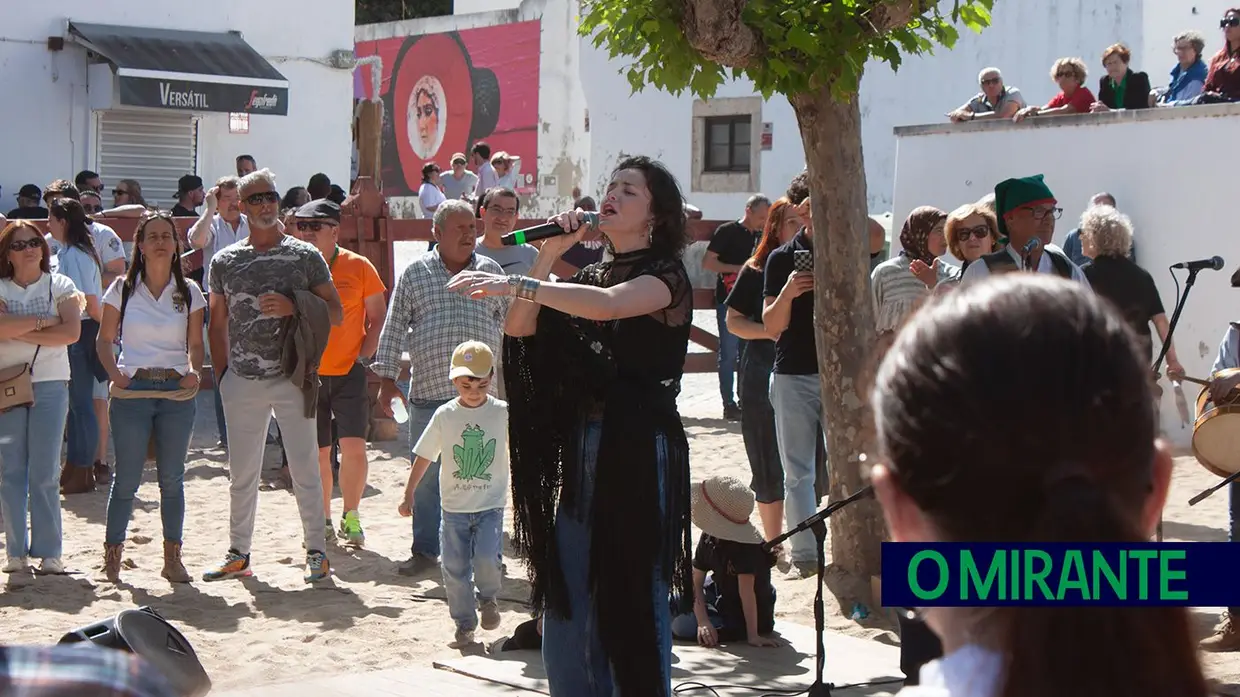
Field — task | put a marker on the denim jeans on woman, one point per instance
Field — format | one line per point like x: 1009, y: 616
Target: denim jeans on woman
x: 30, y: 441
x: 576, y: 664
x: 798, y: 429
x: 83, y: 433
x: 134, y: 423
x: 758, y: 421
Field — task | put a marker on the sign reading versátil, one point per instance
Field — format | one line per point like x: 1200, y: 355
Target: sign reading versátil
x: 203, y: 96
x: 1189, y: 574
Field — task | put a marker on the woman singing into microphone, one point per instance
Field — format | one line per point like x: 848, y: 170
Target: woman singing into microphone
x: 592, y: 369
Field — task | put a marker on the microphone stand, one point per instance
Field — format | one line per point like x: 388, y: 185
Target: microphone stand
x: 1166, y: 346
x: 818, y: 524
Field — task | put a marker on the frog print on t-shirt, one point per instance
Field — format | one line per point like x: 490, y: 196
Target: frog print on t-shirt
x: 474, y: 456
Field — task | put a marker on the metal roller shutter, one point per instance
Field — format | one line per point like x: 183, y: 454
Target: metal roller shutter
x: 154, y: 147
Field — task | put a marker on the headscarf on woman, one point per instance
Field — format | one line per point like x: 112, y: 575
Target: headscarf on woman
x: 915, y: 235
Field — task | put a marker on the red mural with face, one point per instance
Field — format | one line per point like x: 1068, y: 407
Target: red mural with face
x: 442, y: 93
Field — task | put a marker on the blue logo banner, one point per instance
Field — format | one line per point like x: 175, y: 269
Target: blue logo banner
x: 1189, y: 574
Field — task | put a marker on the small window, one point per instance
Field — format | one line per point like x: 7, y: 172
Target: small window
x: 727, y: 143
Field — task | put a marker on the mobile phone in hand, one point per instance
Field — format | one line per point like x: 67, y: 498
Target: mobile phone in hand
x: 803, y: 260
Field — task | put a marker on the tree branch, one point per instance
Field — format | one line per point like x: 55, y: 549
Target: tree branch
x: 888, y: 15
x: 714, y: 29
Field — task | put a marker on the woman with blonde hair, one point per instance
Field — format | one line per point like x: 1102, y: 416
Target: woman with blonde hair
x: 40, y: 316
x: 1106, y: 237
x: 1073, y: 98
x: 972, y: 230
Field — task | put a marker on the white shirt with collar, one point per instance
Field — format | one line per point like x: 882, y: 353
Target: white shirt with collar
x: 220, y: 235
x: 978, y: 269
x: 108, y: 244
x: 154, y: 331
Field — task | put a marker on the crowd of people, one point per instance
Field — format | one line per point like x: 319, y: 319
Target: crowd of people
x: 1191, y: 81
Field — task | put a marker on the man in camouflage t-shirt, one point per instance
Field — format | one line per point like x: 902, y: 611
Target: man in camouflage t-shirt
x: 252, y: 286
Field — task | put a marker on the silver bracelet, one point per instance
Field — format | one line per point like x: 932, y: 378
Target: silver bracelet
x: 527, y: 288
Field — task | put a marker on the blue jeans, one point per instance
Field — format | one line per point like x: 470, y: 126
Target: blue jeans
x: 471, y: 544
x: 797, y: 400
x: 729, y: 353
x: 30, y: 442
x: 426, y: 496
x: 133, y: 423
x: 573, y: 654
x: 83, y: 427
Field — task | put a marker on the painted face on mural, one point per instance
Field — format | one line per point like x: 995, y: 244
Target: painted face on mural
x: 427, y: 117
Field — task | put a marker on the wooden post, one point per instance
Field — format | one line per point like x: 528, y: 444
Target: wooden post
x: 369, y: 139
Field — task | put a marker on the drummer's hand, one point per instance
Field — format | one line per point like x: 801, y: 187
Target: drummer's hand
x: 1221, y: 387
x: 1175, y: 371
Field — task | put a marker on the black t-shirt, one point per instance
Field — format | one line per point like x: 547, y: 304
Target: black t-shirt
x: 27, y: 213
x: 796, y: 350
x: 726, y: 560
x: 734, y: 244
x: 746, y: 294
x: 179, y: 211
x: 1131, y: 289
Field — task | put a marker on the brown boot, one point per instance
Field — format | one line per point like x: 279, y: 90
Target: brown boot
x: 112, y: 562
x: 1226, y: 636
x: 174, y: 570
x: 81, y: 480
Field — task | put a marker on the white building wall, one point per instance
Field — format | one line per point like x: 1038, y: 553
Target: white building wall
x: 47, y: 130
x: 1139, y: 157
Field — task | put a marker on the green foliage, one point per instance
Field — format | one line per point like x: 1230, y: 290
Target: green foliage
x: 803, y: 44
x: 375, y: 11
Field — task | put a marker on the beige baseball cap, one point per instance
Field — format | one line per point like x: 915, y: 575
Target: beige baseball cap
x: 458, y: 157
x: 472, y: 359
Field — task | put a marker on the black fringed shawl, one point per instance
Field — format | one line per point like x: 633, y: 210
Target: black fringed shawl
x: 628, y: 371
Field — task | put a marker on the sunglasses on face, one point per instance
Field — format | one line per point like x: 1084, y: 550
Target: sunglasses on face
x: 1040, y: 213
x: 312, y: 225
x: 980, y: 232
x: 92, y: 208
x: 119, y: 192
x: 1229, y: 22
x: 992, y: 81
x: 262, y: 198
x: 22, y: 245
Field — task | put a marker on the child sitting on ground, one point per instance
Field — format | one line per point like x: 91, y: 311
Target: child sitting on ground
x: 730, y: 551
x: 473, y: 486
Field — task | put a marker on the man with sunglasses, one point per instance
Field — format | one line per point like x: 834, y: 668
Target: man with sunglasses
x: 343, y: 395
x: 1027, y: 211
x: 254, y: 283
x: 995, y: 101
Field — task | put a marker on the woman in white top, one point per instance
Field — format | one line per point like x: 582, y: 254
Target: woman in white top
x: 429, y: 194
x: 1061, y: 465
x: 157, y: 315
x: 40, y: 316
x: 896, y: 290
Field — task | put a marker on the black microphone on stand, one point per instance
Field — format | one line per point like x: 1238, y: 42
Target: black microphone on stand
x: 1027, y: 250
x: 1213, y: 264
x: 589, y: 219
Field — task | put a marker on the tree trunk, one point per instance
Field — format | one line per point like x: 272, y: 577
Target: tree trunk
x: 844, y: 319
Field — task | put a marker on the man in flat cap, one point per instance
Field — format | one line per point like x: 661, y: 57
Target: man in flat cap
x: 1027, y: 211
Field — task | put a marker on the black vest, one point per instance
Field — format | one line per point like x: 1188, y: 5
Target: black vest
x: 1002, y: 262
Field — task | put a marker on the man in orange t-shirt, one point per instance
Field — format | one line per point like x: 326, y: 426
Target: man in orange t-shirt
x: 343, y: 398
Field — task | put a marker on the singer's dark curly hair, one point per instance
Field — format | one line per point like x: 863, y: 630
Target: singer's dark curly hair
x: 670, y: 235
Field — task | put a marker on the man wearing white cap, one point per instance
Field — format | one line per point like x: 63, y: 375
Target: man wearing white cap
x: 460, y: 182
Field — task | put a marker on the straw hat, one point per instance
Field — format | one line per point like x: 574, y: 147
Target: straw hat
x: 721, y: 508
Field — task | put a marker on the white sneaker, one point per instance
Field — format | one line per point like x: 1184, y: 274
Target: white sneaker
x: 14, y: 565
x: 52, y: 565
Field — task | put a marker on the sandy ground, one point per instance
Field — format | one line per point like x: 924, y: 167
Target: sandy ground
x: 273, y: 628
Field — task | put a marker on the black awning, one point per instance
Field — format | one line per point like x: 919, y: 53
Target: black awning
x: 186, y: 70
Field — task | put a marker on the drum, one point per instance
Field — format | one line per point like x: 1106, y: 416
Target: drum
x: 1216, y: 432
x: 144, y: 633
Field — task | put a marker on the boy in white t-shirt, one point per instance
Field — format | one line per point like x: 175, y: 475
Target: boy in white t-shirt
x: 473, y: 488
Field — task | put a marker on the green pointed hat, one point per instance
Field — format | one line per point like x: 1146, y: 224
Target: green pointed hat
x: 1011, y: 194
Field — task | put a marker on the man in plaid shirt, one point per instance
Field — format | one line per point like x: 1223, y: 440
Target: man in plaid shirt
x: 77, y: 670
x: 436, y: 321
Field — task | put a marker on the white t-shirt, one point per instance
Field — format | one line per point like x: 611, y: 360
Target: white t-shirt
x: 487, y: 179
x: 429, y: 196
x: 153, y: 331
x: 970, y: 671
x: 221, y: 234
x: 108, y: 244
x: 473, y: 474
x: 39, y: 299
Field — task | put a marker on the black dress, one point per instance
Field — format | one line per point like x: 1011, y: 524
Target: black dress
x: 627, y: 374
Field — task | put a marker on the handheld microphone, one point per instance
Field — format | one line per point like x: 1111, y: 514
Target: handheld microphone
x: 1213, y: 264
x: 589, y: 219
